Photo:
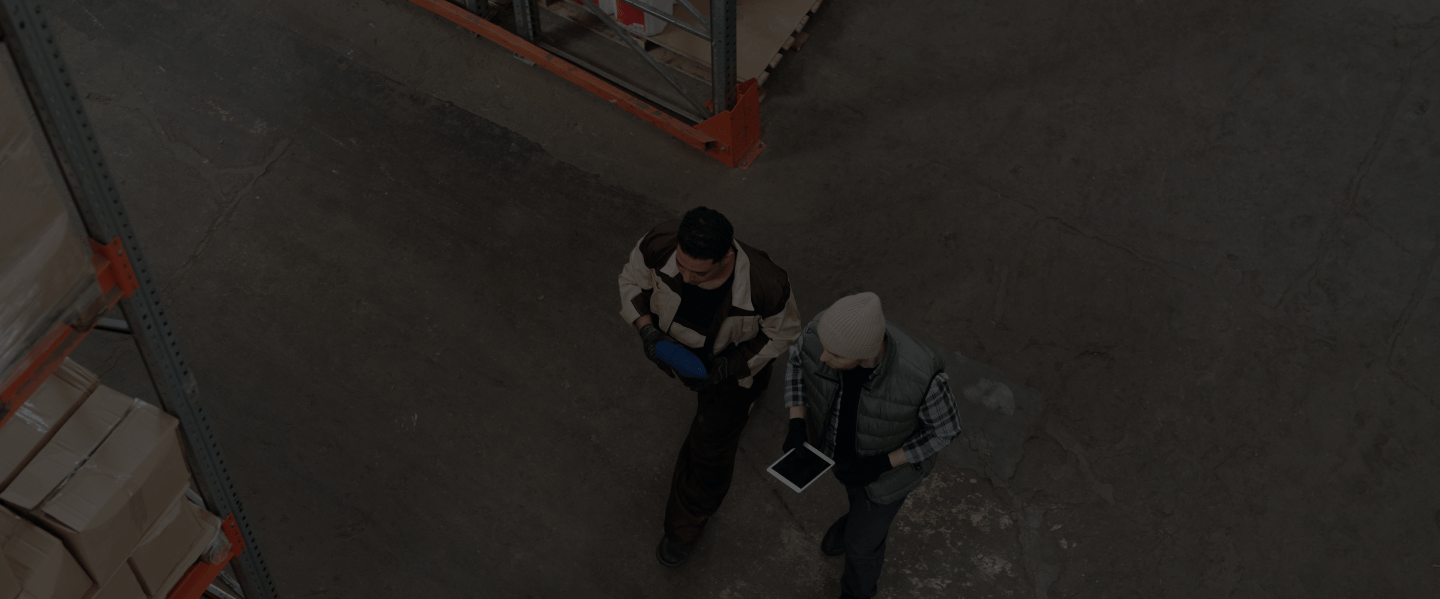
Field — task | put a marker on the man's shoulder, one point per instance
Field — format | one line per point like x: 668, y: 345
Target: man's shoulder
x: 761, y: 258
x: 769, y: 284
x: 657, y: 245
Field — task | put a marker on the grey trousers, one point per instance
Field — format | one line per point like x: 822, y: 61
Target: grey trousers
x: 866, y: 529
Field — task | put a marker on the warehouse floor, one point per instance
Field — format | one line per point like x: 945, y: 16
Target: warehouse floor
x: 1206, y: 233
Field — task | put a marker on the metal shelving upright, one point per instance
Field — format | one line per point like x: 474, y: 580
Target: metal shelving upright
x: 123, y: 272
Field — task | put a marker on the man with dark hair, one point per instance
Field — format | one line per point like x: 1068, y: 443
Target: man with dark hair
x: 690, y: 282
x: 878, y: 401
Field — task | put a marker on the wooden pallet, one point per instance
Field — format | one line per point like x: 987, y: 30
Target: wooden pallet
x: 793, y: 43
x: 765, y: 31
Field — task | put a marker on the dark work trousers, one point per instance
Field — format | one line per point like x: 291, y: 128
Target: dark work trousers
x: 707, y: 459
x: 865, y: 533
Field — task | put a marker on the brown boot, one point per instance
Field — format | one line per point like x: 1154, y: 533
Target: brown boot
x: 671, y: 553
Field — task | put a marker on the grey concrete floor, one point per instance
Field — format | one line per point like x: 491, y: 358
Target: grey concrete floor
x: 1207, y: 233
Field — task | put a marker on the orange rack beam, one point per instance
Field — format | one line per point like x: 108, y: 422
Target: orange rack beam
x: 117, y: 280
x: 200, y: 576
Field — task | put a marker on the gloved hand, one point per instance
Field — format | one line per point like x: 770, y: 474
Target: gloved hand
x: 717, y: 371
x: 863, y: 471
x: 797, y: 436
x: 694, y: 384
x: 649, y: 336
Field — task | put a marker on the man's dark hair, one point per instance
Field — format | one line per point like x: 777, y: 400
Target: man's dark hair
x: 705, y: 234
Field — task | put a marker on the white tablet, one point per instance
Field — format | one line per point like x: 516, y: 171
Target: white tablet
x: 800, y: 466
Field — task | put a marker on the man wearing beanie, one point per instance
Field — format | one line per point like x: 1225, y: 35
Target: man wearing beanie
x: 690, y: 282
x: 878, y: 402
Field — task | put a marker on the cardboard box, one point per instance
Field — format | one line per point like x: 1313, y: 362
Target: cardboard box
x: 68, y: 449
x: 172, y: 546
x: 102, y: 504
x: 40, y: 418
x: 44, y: 568
x: 120, y: 586
x: 9, y: 582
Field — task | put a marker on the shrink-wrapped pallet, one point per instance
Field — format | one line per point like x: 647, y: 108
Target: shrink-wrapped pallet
x: 46, y: 277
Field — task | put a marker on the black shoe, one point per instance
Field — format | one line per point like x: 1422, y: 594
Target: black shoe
x: 671, y: 553
x: 834, y: 542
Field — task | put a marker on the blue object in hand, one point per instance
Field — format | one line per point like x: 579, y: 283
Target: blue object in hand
x: 679, y: 358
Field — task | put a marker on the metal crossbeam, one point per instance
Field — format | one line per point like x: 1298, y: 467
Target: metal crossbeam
x: 620, y: 82
x: 30, y: 40
x: 625, y: 35
x: 114, y: 325
x: 690, y: 8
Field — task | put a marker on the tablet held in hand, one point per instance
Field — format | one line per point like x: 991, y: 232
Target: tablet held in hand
x: 800, y: 467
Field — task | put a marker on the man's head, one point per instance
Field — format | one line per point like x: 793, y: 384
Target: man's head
x: 706, y: 250
x: 852, y: 331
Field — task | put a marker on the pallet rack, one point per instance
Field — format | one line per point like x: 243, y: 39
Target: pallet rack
x: 726, y: 126
x: 765, y: 30
x: 125, y: 280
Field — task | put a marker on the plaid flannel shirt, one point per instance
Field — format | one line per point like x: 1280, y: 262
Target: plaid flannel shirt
x: 939, y: 420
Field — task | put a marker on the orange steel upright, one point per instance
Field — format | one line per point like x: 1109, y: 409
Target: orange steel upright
x: 201, y: 575
x: 732, y: 136
x: 117, y: 280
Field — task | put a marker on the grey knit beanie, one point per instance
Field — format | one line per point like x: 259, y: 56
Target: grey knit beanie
x: 853, y: 327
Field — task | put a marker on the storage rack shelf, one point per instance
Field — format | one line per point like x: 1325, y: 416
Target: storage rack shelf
x: 659, y: 83
x: 764, y: 31
x: 124, y: 280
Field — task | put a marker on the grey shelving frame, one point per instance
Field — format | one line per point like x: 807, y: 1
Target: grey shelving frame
x: 27, y: 36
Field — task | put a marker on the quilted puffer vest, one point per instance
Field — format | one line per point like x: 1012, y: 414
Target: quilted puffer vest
x: 889, y: 404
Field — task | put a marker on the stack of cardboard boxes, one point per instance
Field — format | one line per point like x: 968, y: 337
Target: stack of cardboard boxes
x: 93, y: 485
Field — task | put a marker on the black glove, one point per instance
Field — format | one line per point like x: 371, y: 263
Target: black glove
x: 649, y: 336
x: 863, y: 471
x: 797, y: 436
x: 717, y: 371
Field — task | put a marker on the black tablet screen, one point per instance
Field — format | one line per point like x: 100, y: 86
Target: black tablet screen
x: 801, y: 466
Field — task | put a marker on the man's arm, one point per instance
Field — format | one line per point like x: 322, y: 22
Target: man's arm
x: 778, y: 332
x: 795, y: 402
x: 795, y: 383
x: 939, y: 424
x: 636, y: 285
